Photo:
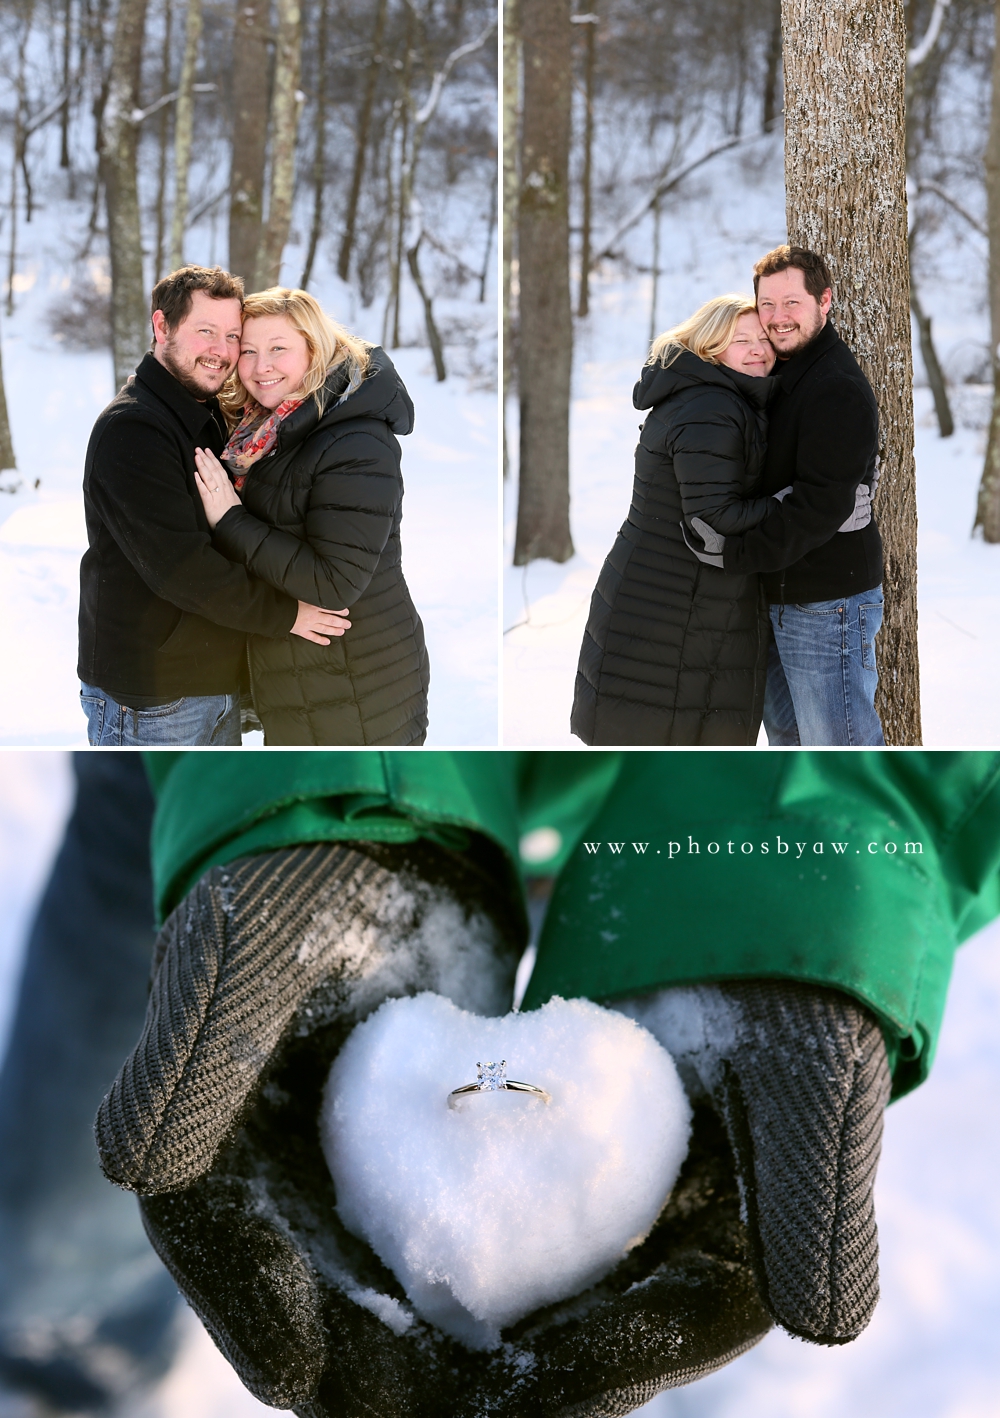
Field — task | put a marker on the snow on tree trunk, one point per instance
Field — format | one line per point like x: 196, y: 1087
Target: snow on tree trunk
x: 845, y: 193
x: 285, y: 108
x: 129, y: 314
x: 250, y: 106
x: 988, y: 507
x: 183, y: 130
x: 545, y: 339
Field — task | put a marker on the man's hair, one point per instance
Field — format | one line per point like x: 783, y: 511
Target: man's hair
x: 173, y: 294
x: 815, y: 271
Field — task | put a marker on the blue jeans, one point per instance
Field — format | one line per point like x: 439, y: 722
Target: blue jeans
x: 821, y: 673
x: 87, y: 1311
x: 211, y: 719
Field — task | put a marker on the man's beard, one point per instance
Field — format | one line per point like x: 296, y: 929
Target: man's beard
x: 186, y: 378
x: 803, y: 338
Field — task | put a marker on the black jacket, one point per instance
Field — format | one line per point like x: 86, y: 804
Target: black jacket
x: 823, y: 439
x: 162, y: 614
x: 320, y: 520
x: 675, y: 651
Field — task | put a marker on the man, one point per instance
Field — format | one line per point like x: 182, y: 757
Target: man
x: 820, y: 559
x: 163, y: 616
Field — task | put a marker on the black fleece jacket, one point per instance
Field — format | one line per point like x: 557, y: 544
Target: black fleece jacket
x: 823, y: 440
x: 163, y: 614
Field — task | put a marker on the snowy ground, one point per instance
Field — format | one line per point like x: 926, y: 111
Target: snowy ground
x: 931, y: 1347
x: 710, y: 240
x: 449, y: 524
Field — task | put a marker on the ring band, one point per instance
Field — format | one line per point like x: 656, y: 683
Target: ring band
x: 492, y: 1077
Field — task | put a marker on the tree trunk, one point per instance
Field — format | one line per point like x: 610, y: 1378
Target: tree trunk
x: 67, y: 70
x: 164, y: 129
x: 7, y: 459
x: 433, y: 336
x: 129, y: 316
x: 845, y: 188
x: 589, y: 23
x: 988, y: 506
x: 285, y: 108
x: 932, y: 366
x: 511, y: 88
x: 361, y: 144
x: 183, y: 132
x: 772, y: 69
x: 319, y: 152
x: 250, y: 106
x: 545, y: 346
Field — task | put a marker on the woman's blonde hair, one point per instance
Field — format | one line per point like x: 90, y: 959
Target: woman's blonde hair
x: 329, y: 344
x: 707, y: 333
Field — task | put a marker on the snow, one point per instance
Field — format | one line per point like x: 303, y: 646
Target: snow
x: 490, y: 1209
x: 931, y: 1347
x: 715, y: 229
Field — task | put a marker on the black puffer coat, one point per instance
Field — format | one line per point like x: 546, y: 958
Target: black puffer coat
x: 320, y: 521
x: 675, y: 651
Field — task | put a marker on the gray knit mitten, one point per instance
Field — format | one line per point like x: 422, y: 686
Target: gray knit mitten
x: 799, y: 1075
x: 259, y: 976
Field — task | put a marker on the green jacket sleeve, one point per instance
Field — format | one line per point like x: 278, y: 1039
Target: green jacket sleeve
x: 861, y: 871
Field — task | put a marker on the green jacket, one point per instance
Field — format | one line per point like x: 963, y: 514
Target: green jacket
x: 858, y: 870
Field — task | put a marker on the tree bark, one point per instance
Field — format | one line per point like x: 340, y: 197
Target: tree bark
x: 7, y: 459
x: 361, y: 144
x: 250, y: 108
x: 988, y: 505
x: 772, y: 69
x: 511, y: 183
x: 164, y: 129
x: 319, y: 152
x: 845, y: 186
x: 285, y: 108
x: 183, y: 132
x: 129, y: 316
x: 67, y: 70
x: 589, y: 22
x: 545, y: 346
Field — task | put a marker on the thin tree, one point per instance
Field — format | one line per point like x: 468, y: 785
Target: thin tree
x: 988, y: 504
x: 184, y: 132
x: 164, y: 128
x: 66, y: 72
x: 545, y: 337
x: 589, y: 22
x: 845, y: 188
x: 120, y: 140
x: 319, y: 151
x: 770, y: 109
x: 286, y: 104
x: 361, y: 134
x: 249, y: 154
x: 7, y: 459
x: 511, y: 183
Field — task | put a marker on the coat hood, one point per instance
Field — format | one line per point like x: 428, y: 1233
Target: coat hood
x: 380, y: 395
x: 657, y: 382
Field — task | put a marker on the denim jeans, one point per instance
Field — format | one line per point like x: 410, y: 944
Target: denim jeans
x: 211, y: 719
x: 821, y: 673
x: 87, y: 1311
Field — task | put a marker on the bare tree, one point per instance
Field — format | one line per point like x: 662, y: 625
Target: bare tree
x: 545, y: 340
x: 286, y: 104
x: 163, y: 129
x: 772, y: 67
x: 589, y: 21
x: 319, y: 151
x: 183, y: 132
x: 845, y: 185
x: 511, y: 89
x: 988, y: 504
x: 7, y: 459
x: 361, y: 134
x: 250, y: 112
x: 120, y: 138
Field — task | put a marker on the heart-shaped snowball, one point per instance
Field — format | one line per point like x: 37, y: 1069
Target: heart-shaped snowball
x: 490, y: 1209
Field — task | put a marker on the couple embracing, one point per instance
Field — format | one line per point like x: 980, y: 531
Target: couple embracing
x: 243, y: 498
x: 745, y: 583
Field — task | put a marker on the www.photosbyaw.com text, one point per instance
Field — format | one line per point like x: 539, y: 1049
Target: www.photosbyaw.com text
x: 776, y: 846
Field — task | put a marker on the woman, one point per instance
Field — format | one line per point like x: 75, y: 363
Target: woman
x: 675, y: 652
x: 314, y: 508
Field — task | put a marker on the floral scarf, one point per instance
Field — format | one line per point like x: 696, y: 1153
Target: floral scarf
x: 253, y: 437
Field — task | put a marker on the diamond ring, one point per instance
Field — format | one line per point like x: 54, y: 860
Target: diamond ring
x: 491, y: 1078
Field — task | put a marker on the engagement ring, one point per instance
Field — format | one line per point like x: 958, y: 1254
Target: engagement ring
x: 491, y: 1078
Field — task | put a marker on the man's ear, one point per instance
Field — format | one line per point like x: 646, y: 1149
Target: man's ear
x: 160, y: 331
x: 825, y: 301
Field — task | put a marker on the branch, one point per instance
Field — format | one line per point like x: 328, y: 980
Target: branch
x: 49, y: 111
x: 922, y: 51
x: 139, y: 115
x: 424, y: 115
x: 664, y: 186
x: 947, y: 197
